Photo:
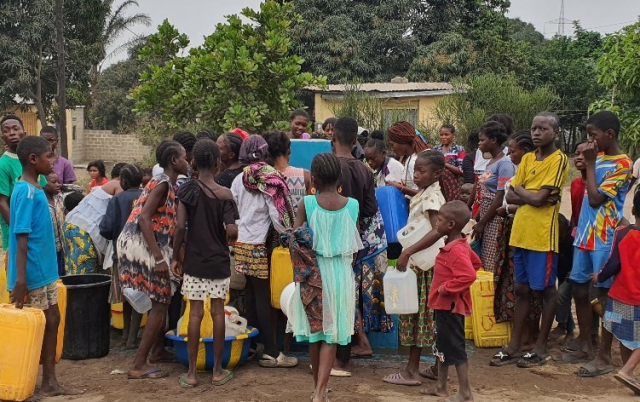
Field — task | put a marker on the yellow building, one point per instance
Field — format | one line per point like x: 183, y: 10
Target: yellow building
x: 414, y: 101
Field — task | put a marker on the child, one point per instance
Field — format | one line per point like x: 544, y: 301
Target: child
x: 327, y: 128
x: 466, y: 190
x: 61, y: 166
x: 536, y: 189
x: 622, y: 314
x: 416, y: 330
x: 406, y: 143
x: 332, y: 219
x: 578, y: 186
x: 113, y: 186
x: 608, y: 173
x: 56, y: 209
x: 98, y: 173
x: 143, y: 250
x: 450, y: 297
x: 71, y: 201
x: 210, y: 213
x: 454, y: 154
x: 32, y: 270
x: 564, y: 317
x: 114, y: 219
x: 298, y: 121
x: 384, y: 167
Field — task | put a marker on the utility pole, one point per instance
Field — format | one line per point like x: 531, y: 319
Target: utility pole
x: 62, y: 81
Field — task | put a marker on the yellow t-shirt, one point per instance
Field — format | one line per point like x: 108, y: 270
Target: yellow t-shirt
x: 536, y: 228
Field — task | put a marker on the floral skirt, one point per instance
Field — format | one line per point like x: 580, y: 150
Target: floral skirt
x: 419, y: 329
x: 80, y: 253
x: 252, y: 260
x: 369, y: 274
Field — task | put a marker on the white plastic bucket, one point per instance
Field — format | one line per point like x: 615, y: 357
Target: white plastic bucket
x: 286, y: 299
x: 138, y: 300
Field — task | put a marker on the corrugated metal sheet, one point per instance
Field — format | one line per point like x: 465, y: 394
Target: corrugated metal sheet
x: 389, y: 87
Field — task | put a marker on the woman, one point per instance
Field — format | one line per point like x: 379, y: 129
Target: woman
x: 98, y: 173
x: 262, y: 197
x: 229, y: 145
x: 499, y: 169
x: 144, y: 252
x: 298, y: 122
x: 406, y: 142
x: 504, y: 305
x: 327, y: 128
x: 298, y: 180
x: 384, y: 167
x: 454, y: 155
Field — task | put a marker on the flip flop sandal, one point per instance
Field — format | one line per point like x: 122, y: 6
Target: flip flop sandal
x: 183, y: 382
x: 429, y: 373
x: 631, y: 384
x: 149, y: 375
x: 589, y: 370
x: 398, y: 379
x: 531, y: 360
x: 502, y: 358
x: 228, y: 375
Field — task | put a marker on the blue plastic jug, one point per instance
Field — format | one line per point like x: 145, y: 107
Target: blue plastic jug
x: 394, y: 209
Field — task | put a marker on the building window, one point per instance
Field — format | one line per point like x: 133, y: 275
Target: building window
x: 390, y: 116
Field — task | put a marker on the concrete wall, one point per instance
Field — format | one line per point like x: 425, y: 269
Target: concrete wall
x: 103, y: 144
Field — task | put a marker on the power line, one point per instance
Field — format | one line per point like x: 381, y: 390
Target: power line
x: 613, y: 25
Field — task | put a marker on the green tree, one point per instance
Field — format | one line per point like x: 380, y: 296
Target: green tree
x: 618, y: 71
x: 243, y: 75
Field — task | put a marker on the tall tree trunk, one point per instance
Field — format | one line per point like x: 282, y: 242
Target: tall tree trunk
x: 37, y: 99
x: 62, y: 82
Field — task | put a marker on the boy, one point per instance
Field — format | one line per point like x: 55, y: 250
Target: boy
x: 465, y: 192
x: 453, y: 275
x: 61, y: 166
x: 536, y: 188
x: 32, y: 268
x: 608, y: 174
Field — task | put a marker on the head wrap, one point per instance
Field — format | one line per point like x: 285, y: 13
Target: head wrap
x: 403, y: 132
x: 254, y: 149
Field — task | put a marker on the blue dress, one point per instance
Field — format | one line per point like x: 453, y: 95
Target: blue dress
x: 335, y: 240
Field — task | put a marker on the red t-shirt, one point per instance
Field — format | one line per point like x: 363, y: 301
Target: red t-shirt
x: 94, y: 183
x: 454, y: 272
x: 623, y: 263
x: 578, y: 190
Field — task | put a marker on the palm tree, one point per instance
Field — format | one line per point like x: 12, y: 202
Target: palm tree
x: 116, y: 23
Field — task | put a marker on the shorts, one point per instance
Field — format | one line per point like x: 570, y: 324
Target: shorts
x: 43, y: 298
x: 202, y: 289
x: 538, y: 269
x: 450, y: 338
x: 587, y: 262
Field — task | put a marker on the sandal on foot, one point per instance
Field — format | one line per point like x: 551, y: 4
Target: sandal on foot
x: 228, y: 375
x: 398, y: 379
x: 589, y: 370
x: 502, y: 358
x: 152, y: 374
x: 183, y: 382
x: 531, y: 360
x: 429, y: 373
x: 281, y: 361
x: 629, y: 383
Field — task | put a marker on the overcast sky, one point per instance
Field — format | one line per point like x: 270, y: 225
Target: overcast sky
x: 197, y: 18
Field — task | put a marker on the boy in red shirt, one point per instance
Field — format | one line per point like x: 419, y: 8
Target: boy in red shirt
x: 450, y: 297
x: 578, y: 186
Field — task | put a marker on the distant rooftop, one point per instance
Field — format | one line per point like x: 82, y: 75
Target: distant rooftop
x: 388, y: 89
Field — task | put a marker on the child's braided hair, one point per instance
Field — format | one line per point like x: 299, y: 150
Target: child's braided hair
x: 206, y: 154
x: 166, y: 151
x: 326, y: 169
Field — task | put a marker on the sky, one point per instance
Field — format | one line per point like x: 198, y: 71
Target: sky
x: 198, y: 18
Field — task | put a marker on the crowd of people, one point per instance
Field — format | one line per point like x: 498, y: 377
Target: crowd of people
x: 214, y: 206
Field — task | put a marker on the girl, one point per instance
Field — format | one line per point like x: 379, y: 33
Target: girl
x: 98, y: 174
x: 229, y: 145
x: 262, y: 195
x: 118, y: 211
x: 56, y: 208
x: 327, y: 128
x: 454, y: 154
x: 499, y: 169
x: 385, y: 169
x: 298, y: 122
x: 504, y: 304
x: 332, y: 219
x: 210, y: 213
x: 406, y: 142
x: 622, y: 314
x: 417, y: 330
x: 298, y: 180
x: 144, y: 249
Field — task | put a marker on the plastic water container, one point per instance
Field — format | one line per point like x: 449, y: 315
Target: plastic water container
x: 117, y: 317
x: 486, y: 332
x: 234, y: 323
x: 138, y: 300
x: 206, y: 326
x: 281, y: 274
x: 468, y: 328
x: 303, y: 151
x: 410, y: 235
x: 4, y: 294
x: 394, y: 209
x: 20, y: 345
x: 286, y: 299
x: 400, y: 291
x: 62, y: 306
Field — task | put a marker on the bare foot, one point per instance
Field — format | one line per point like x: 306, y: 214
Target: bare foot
x: 162, y: 357
x: 359, y: 351
x: 60, y: 390
x: 435, y: 392
x: 458, y: 398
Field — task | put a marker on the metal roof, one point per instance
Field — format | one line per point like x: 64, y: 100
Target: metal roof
x: 387, y: 87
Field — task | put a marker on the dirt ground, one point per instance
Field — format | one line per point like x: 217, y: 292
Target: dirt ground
x: 550, y: 383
